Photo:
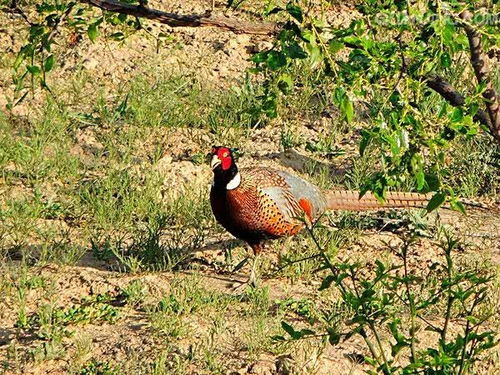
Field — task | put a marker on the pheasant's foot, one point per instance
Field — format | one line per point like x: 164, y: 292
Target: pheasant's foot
x: 240, y: 287
x: 252, y: 280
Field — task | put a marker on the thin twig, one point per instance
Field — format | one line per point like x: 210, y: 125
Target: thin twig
x: 192, y: 20
x: 59, y: 21
x: 14, y: 8
x: 410, y: 300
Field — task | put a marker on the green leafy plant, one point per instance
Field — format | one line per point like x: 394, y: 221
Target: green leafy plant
x: 402, y: 301
x: 391, y: 57
x: 36, y: 57
x: 96, y: 367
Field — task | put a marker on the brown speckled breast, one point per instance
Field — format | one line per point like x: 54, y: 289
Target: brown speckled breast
x: 262, y: 207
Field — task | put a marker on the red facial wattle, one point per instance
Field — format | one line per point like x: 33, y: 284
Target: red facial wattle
x: 224, y: 154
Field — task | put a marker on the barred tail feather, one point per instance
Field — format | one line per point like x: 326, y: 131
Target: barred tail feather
x: 349, y: 200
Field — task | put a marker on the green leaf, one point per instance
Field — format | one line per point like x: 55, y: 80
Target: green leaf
x: 448, y: 33
x: 92, y: 32
x: 294, y: 11
x: 380, y: 267
x: 260, y: 57
x: 36, y: 31
x: 117, y: 36
x: 33, y: 69
x: 347, y: 109
x: 334, y: 46
x: 436, y: 201
x: 275, y: 60
x: 285, y: 83
x: 333, y: 338
x: 443, y: 110
x: 404, y: 139
x: 306, y: 332
x: 277, y: 338
x: 364, y: 141
x: 240, y: 265
x: 289, y: 329
x: 395, y: 349
x: 420, y: 179
x: 19, y: 59
x: 49, y: 63
x: 432, y: 182
x: 457, y: 206
x: 272, y: 10
x: 445, y: 60
x: 314, y: 54
x: 270, y: 107
x: 327, y: 281
x: 294, y: 51
x: 456, y: 115
x: 308, y: 36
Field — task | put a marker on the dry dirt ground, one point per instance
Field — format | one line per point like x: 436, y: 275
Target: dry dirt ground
x: 133, y: 338
x: 230, y: 335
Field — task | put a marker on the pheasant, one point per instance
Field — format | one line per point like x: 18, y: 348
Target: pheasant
x: 258, y: 204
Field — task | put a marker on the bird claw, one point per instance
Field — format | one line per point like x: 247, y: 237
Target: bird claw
x: 251, y: 282
x: 239, y: 287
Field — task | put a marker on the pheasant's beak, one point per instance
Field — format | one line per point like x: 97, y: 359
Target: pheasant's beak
x: 215, y: 162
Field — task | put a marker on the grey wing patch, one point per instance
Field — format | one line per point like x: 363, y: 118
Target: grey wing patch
x: 301, y: 189
x: 285, y: 201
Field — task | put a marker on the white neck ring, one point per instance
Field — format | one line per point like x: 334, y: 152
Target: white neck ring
x: 235, y: 182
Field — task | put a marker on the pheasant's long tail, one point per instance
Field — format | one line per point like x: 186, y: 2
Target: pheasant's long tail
x: 349, y: 200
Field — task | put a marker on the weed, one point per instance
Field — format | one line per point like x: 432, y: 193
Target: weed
x: 378, y: 300
x: 256, y: 338
x: 187, y: 296
x: 474, y: 170
x: 302, y: 307
x: 135, y: 293
x: 259, y: 301
x: 325, y: 147
x: 178, y: 102
x: 50, y: 321
x: 96, y: 367
x: 289, y: 139
x: 163, y: 234
x: 92, y: 309
x: 82, y: 353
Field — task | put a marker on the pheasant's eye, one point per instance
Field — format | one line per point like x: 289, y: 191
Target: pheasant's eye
x: 225, y: 154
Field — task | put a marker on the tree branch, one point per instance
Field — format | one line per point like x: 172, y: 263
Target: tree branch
x: 191, y: 20
x: 59, y: 21
x: 14, y: 9
x: 452, y: 96
x: 482, y: 71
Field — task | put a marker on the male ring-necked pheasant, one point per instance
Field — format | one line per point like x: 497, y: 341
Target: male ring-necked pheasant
x: 257, y: 204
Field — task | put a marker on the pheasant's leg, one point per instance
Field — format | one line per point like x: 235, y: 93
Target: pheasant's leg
x: 252, y: 281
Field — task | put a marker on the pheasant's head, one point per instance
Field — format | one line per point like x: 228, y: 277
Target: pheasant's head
x: 222, y: 158
x: 226, y: 173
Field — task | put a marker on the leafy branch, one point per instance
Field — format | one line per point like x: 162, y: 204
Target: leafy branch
x: 389, y: 299
x: 389, y: 60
